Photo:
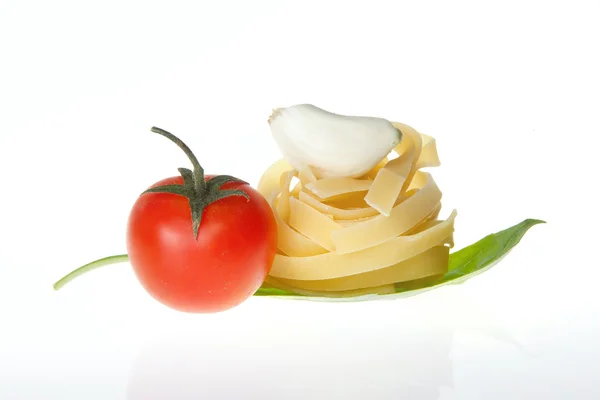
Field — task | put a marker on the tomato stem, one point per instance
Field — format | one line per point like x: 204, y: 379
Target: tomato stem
x: 200, y: 193
x: 89, y: 267
x: 199, y: 183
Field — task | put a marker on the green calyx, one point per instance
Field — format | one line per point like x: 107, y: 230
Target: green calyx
x: 200, y: 193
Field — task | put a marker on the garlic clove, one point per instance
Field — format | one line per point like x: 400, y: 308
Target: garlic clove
x: 332, y: 145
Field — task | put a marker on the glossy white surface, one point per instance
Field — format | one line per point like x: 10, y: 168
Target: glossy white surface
x: 458, y: 343
x: 511, y: 93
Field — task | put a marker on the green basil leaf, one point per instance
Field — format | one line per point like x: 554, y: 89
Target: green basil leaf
x: 463, y: 265
x: 273, y: 292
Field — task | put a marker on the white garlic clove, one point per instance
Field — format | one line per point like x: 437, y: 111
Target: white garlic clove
x: 332, y: 145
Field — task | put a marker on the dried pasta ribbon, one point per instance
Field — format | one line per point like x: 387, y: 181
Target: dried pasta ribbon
x: 334, y: 265
x: 382, y: 228
x: 429, y: 263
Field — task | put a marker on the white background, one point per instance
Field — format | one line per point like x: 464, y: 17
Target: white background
x: 510, y: 90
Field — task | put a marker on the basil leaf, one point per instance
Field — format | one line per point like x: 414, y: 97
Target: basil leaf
x: 484, y: 254
x: 273, y: 292
x: 463, y: 265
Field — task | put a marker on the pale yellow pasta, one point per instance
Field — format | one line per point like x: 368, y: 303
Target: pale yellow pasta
x: 270, y: 181
x: 330, y: 187
x: 393, y: 176
x: 338, y: 213
x: 290, y: 242
x: 402, y: 164
x: 297, y: 189
x: 349, y: 222
x: 312, y: 224
x: 334, y: 265
x: 349, y: 201
x: 283, y: 205
x: 428, y: 263
x: 429, y: 155
x: 385, y: 190
x: 306, y: 175
x: 413, y: 142
x: 373, y: 173
x: 385, y: 289
x: 344, y: 237
x: 382, y: 228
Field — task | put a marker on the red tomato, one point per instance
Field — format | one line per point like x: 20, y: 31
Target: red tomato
x: 225, y: 265
x: 197, y: 243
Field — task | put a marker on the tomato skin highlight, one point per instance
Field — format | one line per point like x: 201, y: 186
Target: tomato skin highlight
x: 224, y: 266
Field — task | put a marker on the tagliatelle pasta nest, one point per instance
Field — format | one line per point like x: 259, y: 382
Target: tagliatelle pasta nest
x: 344, y: 237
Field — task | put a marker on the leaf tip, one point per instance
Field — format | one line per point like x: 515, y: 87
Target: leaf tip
x: 534, y: 221
x: 531, y: 222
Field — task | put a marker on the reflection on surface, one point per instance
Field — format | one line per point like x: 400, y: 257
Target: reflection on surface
x: 388, y: 350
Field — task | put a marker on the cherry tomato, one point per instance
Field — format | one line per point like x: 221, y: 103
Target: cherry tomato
x: 220, y: 268
x: 197, y: 243
x: 225, y: 265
